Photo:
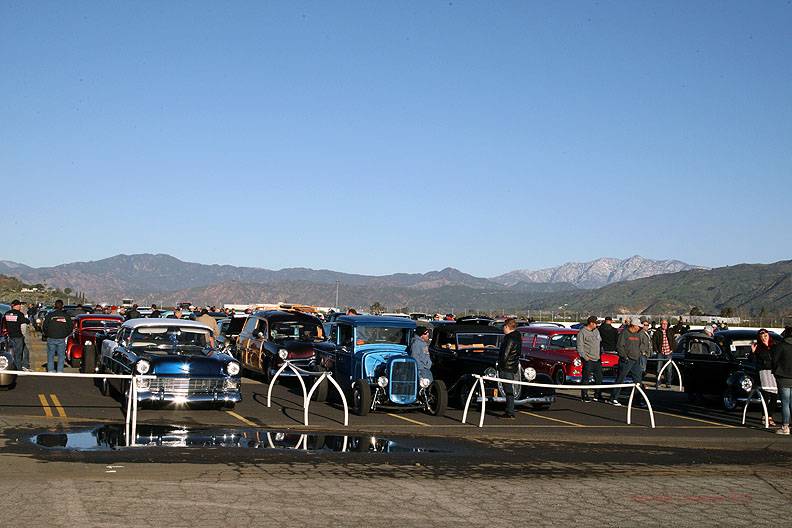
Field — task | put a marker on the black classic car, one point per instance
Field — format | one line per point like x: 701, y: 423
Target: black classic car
x: 460, y: 350
x: 720, y: 365
x: 270, y: 337
x: 229, y: 329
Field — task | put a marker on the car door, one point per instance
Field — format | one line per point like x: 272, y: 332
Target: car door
x: 706, y: 366
x: 345, y: 353
x: 243, y: 346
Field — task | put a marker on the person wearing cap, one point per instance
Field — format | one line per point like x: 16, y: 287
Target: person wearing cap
x: 632, y: 343
x: 12, y: 323
x: 56, y: 328
x: 419, y: 350
x: 589, y: 344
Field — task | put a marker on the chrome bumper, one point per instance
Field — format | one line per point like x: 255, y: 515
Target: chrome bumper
x: 217, y: 397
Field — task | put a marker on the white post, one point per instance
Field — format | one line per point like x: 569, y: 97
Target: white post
x: 343, y: 400
x: 648, y: 404
x: 629, y: 406
x: 134, y: 409
x: 467, y: 403
x: 129, y: 414
x: 483, y: 402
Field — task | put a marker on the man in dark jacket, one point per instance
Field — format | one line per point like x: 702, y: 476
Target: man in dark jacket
x: 782, y: 368
x: 509, y: 361
x: 133, y: 313
x: 663, y: 346
x: 12, y: 323
x: 633, y: 343
x: 56, y: 328
x: 609, y: 335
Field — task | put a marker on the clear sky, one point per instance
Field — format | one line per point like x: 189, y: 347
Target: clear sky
x: 380, y: 137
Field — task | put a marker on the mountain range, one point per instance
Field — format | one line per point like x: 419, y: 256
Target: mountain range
x: 635, y: 284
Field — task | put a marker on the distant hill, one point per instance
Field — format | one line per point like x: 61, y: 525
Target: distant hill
x: 596, y: 273
x: 747, y: 289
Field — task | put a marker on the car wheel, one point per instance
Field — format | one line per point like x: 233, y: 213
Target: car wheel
x: 729, y: 400
x: 228, y: 406
x: 89, y: 360
x: 437, y: 398
x: 559, y: 377
x: 540, y: 406
x: 104, y: 386
x: 361, y: 397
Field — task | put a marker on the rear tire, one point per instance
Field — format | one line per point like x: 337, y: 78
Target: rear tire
x: 729, y: 400
x: 559, y: 377
x: 361, y: 397
x: 437, y: 398
x: 89, y: 360
x: 320, y: 394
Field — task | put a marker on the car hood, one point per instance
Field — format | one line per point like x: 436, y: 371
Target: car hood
x: 372, y: 356
x: 188, y: 365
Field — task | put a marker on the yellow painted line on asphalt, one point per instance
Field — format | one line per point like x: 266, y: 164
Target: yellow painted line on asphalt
x: 242, y: 419
x: 552, y: 419
x: 58, y: 406
x: 407, y: 419
x: 45, y: 405
x: 727, y: 426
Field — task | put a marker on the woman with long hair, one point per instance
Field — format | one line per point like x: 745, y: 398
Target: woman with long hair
x: 764, y: 361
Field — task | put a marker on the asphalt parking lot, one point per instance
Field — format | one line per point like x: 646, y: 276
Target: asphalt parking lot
x: 698, y: 467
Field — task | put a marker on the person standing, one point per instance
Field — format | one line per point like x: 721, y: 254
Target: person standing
x: 632, y: 342
x: 12, y: 323
x: 56, y: 328
x: 155, y: 313
x: 509, y: 362
x: 782, y: 369
x: 646, y: 326
x: 764, y: 364
x: 133, y: 313
x: 609, y: 335
x: 419, y: 350
x: 589, y: 344
x: 209, y: 321
x: 661, y: 344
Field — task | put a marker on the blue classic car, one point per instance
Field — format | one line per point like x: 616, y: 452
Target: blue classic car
x: 370, y: 360
x: 177, y: 351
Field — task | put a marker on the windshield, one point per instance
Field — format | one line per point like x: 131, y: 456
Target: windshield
x: 368, y: 335
x: 100, y: 324
x: 465, y: 341
x: 563, y: 341
x: 301, y: 330
x: 153, y: 338
x: 234, y: 326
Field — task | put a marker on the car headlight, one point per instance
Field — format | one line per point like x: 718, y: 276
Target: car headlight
x: 87, y: 343
x: 283, y: 353
x: 577, y: 361
x: 142, y: 366
x: 382, y: 381
x: 232, y: 368
x: 143, y: 384
x: 490, y: 372
x: 529, y: 373
x: 746, y: 384
x: 3, y: 362
x: 425, y: 382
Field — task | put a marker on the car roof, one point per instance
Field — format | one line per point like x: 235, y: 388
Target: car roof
x: 742, y: 334
x: 376, y: 320
x: 462, y: 328
x: 276, y: 315
x: 108, y: 317
x: 138, y: 323
x: 548, y: 330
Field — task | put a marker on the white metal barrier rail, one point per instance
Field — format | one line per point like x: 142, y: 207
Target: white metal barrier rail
x: 669, y: 362
x: 308, y: 393
x: 131, y: 410
x: 766, y: 416
x: 480, y: 385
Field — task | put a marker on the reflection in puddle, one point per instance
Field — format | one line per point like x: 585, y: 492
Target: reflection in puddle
x: 111, y: 437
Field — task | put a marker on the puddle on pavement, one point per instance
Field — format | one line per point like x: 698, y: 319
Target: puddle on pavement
x: 113, y: 437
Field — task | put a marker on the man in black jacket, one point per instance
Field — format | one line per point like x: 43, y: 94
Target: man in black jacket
x: 782, y: 369
x: 609, y: 335
x: 56, y: 328
x: 12, y: 323
x: 509, y: 361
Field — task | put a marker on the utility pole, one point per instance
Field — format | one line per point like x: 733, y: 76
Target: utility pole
x: 337, y: 284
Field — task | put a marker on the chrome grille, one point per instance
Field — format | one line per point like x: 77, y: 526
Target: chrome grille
x: 403, y: 380
x: 185, y: 385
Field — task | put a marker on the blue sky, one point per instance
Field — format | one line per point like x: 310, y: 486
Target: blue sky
x: 381, y: 137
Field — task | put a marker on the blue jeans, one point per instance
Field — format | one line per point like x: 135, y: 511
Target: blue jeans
x: 21, y: 353
x: 508, y: 389
x: 669, y: 372
x: 786, y: 404
x: 627, y: 366
x: 56, y: 346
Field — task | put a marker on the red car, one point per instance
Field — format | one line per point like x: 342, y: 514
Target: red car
x: 552, y: 351
x: 88, y: 329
